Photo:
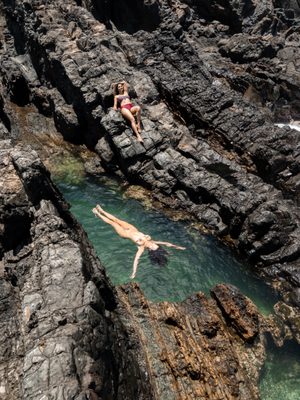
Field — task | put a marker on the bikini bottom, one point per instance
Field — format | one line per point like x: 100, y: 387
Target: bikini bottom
x: 128, y: 106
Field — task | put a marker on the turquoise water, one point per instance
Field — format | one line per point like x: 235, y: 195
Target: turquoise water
x: 203, y: 264
x: 280, y: 379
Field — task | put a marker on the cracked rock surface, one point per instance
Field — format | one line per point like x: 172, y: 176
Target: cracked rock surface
x: 66, y: 333
x: 213, y: 80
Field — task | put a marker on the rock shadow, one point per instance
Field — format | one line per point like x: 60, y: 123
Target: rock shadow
x: 129, y: 16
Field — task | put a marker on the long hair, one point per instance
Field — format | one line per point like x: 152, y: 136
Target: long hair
x: 115, y: 88
x: 158, y: 256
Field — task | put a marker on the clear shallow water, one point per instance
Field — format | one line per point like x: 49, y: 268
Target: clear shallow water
x: 280, y: 379
x: 203, y: 264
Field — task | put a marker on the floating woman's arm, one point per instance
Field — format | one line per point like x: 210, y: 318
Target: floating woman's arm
x: 170, y: 245
x: 136, y: 261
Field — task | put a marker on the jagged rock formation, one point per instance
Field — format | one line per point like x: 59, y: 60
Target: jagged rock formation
x: 67, y: 334
x: 190, y: 348
x: 59, y: 330
x: 213, y: 78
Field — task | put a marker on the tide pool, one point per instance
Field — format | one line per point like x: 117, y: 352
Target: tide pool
x: 203, y: 264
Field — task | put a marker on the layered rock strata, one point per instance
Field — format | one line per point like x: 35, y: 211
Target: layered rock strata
x: 210, y: 147
x: 58, y: 338
x: 202, y: 348
x: 67, y: 334
x: 212, y: 81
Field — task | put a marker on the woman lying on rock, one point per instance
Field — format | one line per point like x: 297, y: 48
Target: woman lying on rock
x: 128, y: 110
x: 156, y: 254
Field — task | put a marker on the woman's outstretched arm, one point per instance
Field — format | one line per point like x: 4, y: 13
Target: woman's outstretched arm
x: 170, y: 245
x: 136, y: 261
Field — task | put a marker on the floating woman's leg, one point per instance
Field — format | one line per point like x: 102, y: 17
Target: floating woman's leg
x: 123, y: 232
x: 101, y: 216
x: 128, y: 115
x: 136, y: 110
x: 114, y: 219
x: 101, y: 211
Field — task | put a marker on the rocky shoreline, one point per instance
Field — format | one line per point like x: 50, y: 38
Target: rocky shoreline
x: 72, y: 335
x: 212, y: 82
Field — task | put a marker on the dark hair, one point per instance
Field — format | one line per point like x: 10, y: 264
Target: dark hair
x: 115, y: 88
x: 158, y: 256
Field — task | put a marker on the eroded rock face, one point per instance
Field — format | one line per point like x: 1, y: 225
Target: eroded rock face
x: 207, y: 149
x: 191, y: 347
x: 66, y: 332
x: 56, y: 337
x: 212, y: 81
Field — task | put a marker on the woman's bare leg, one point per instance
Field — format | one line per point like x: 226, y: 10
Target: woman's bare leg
x: 101, y: 211
x: 123, y: 232
x: 136, y: 110
x: 128, y: 115
x: 114, y: 219
x: 105, y: 219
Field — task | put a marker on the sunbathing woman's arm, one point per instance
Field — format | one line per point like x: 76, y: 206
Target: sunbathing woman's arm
x: 136, y: 261
x: 115, y: 103
x: 170, y: 245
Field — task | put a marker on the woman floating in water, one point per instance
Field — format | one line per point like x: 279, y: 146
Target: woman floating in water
x: 128, y: 110
x: 127, y: 231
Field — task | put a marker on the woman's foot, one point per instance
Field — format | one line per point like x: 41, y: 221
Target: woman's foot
x: 140, y: 139
x: 98, y: 208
